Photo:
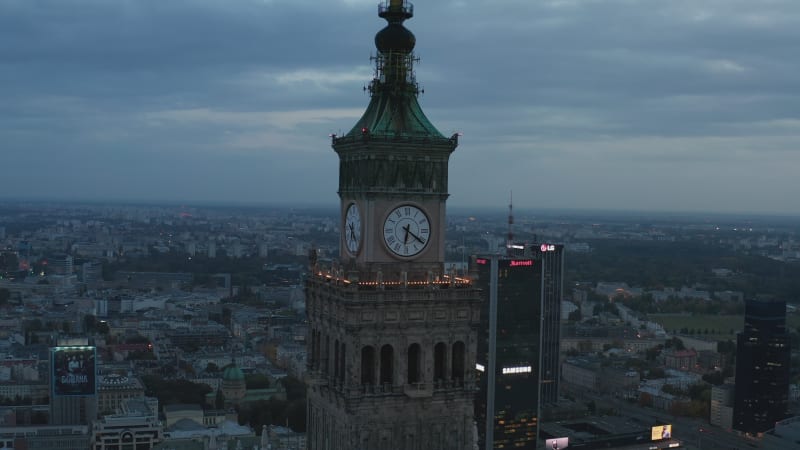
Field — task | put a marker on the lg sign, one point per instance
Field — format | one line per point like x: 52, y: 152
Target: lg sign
x: 547, y: 248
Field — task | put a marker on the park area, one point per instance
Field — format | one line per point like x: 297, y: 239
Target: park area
x: 715, y: 327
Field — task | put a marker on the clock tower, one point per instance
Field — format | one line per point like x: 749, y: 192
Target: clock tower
x: 392, y: 332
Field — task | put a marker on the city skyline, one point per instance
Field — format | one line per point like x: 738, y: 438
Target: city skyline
x: 684, y: 106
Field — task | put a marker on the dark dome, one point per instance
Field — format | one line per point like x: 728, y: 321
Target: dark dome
x: 232, y: 373
x: 395, y: 38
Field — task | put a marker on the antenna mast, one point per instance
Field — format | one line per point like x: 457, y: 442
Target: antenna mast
x: 510, y: 240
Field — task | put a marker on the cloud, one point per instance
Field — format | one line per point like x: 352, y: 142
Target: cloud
x: 547, y: 91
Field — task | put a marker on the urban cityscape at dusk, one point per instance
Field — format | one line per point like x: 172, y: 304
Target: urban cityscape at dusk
x: 560, y: 224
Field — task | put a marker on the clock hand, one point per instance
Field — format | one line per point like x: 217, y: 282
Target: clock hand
x: 352, y: 232
x: 406, y: 228
x: 415, y: 236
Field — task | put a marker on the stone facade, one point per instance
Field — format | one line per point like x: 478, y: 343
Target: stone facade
x: 391, y: 368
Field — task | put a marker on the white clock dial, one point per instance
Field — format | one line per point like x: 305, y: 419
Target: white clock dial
x: 406, y: 231
x: 352, y: 228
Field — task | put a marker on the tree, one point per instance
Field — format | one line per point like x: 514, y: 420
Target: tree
x: 175, y: 391
x: 652, y: 353
x: 102, y: 327
x: 675, y: 343
x: 296, y: 415
x: 256, y: 381
x: 575, y: 316
x: 295, y: 389
x: 716, y: 378
x: 89, y: 322
x: 219, y: 400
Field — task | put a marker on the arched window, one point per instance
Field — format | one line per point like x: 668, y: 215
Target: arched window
x: 458, y: 360
x: 367, y: 365
x: 439, y: 361
x: 387, y: 364
x: 414, y: 364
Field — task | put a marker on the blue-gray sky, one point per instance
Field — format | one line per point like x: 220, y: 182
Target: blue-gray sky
x: 689, y: 105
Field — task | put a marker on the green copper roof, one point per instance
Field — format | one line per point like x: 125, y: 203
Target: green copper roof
x: 393, y: 111
x: 232, y: 373
x: 394, y: 115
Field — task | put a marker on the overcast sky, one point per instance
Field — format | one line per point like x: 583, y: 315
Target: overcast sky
x: 686, y: 105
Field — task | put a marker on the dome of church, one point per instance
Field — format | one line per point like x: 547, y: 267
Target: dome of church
x: 395, y: 38
x: 232, y: 373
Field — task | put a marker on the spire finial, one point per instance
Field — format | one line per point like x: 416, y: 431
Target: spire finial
x: 396, y: 11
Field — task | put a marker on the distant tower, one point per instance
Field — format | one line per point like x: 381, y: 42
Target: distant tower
x: 92, y: 273
x: 212, y: 249
x: 237, y: 250
x: 510, y: 240
x: 552, y: 261
x: 60, y: 265
x: 763, y: 355
x: 392, y: 341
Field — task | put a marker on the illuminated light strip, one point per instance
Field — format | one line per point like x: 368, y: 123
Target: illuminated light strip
x: 446, y: 281
x: 521, y: 369
x: 479, y: 367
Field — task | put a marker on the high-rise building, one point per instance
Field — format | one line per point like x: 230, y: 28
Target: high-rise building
x: 92, y: 273
x: 551, y: 257
x: 60, y: 265
x: 73, y: 389
x: 392, y: 335
x: 509, y: 351
x: 761, y: 393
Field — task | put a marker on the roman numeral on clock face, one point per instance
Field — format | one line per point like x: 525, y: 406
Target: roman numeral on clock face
x: 406, y: 231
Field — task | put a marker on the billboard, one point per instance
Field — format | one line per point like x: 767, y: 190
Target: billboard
x: 556, y: 443
x: 73, y: 370
x: 660, y: 432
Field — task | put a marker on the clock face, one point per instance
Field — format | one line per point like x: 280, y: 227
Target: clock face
x: 352, y: 228
x: 406, y: 230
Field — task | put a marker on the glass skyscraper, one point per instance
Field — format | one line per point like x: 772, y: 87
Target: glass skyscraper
x: 761, y: 393
x: 509, y: 354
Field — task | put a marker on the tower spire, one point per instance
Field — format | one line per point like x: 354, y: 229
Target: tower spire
x: 510, y: 240
x: 394, y: 111
x: 394, y: 65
